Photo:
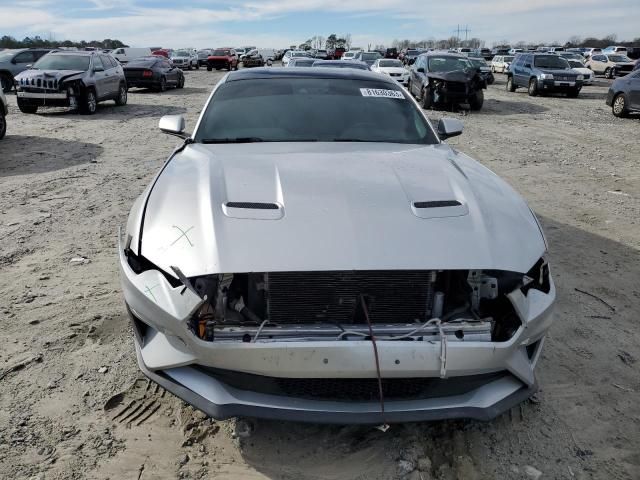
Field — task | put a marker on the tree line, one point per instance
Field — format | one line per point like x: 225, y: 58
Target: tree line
x: 7, y: 41
x: 454, y: 41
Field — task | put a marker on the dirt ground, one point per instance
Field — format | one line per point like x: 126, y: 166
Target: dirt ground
x: 73, y: 405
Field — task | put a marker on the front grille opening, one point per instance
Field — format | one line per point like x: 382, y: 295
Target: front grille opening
x: 353, y: 389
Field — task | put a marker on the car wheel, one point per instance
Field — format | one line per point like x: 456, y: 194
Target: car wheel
x: 491, y: 79
x: 511, y: 87
x: 3, y: 125
x: 209, y: 68
x: 619, y: 106
x: 477, y: 100
x: 181, y: 82
x: 6, y: 82
x: 533, y: 87
x: 427, y: 99
x: 121, y: 99
x: 89, y: 103
x: 607, y: 73
x: 24, y: 108
x: 198, y: 66
x: 163, y: 85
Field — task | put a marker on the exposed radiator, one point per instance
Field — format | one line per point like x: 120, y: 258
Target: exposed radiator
x: 392, y: 296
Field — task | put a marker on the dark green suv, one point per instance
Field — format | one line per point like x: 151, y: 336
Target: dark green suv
x: 542, y: 73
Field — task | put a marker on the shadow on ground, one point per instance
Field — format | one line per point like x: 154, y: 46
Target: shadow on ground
x: 22, y: 155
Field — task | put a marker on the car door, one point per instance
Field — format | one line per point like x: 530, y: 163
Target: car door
x: 633, y: 89
x: 101, y: 81
x: 111, y: 75
x: 171, y: 73
x: 597, y: 63
x: 517, y: 68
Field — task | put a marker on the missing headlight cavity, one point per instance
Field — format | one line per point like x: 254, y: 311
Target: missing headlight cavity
x: 472, y: 305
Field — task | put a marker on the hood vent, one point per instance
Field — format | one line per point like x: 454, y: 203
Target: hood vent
x: 253, y: 210
x: 437, y: 204
x: 439, y: 209
x: 253, y: 205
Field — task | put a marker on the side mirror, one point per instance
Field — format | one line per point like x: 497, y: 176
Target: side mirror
x: 173, y: 125
x: 449, y: 127
x: 30, y: 65
x: 420, y: 70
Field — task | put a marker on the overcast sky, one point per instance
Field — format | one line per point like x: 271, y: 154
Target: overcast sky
x: 279, y: 23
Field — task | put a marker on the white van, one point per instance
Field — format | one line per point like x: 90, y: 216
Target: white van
x: 127, y: 54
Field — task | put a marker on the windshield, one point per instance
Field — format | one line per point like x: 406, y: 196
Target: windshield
x: 349, y: 54
x: 619, y: 58
x: 448, y: 64
x: 312, y: 110
x: 302, y: 62
x: 478, y: 62
x: 576, y: 64
x: 550, y: 61
x: 413, y: 52
x: 221, y: 53
x: 181, y: 53
x: 299, y: 54
x: 370, y: 55
x: 390, y: 63
x: 507, y: 59
x: 63, y: 62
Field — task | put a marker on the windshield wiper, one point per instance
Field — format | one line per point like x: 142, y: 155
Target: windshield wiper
x: 233, y: 140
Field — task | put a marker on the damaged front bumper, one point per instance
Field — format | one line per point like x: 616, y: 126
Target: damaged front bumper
x: 46, y: 99
x: 469, y: 379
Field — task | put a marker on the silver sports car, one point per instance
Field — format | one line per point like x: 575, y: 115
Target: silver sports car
x: 313, y: 251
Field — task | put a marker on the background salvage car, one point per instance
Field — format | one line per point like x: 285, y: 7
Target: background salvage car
x: 442, y: 316
x: 13, y: 62
x: 624, y: 95
x: 185, y: 59
x: 392, y: 67
x: 501, y: 63
x: 446, y: 78
x: 543, y: 73
x: 222, y: 58
x: 610, y: 65
x: 154, y: 72
x: 71, y: 79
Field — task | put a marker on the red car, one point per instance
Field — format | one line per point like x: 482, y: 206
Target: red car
x: 338, y: 53
x: 222, y: 58
x: 162, y: 53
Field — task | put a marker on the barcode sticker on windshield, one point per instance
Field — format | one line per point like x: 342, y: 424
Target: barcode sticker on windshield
x: 381, y: 93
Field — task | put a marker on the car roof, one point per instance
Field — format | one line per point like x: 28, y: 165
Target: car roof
x: 306, y: 72
x: 76, y: 52
x: 443, y: 54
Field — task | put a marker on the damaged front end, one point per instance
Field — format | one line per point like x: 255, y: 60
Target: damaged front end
x: 457, y: 87
x: 36, y: 88
x: 298, y: 345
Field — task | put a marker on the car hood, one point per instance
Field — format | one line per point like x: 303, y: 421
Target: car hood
x: 399, y: 70
x: 340, y: 206
x: 557, y: 70
x: 219, y: 57
x: 53, y: 75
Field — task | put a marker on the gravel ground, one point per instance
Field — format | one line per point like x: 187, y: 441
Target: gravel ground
x: 67, y: 364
